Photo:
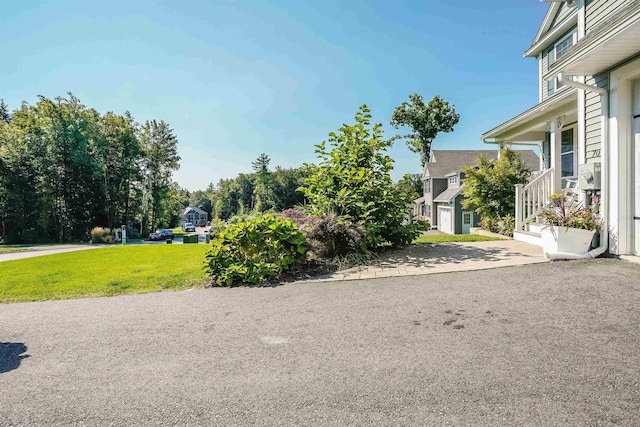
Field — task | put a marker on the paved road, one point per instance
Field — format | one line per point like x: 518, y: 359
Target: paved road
x: 544, y: 344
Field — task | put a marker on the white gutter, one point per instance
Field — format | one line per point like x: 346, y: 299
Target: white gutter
x: 604, y: 196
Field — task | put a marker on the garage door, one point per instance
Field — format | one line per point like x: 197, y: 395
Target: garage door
x: 444, y: 219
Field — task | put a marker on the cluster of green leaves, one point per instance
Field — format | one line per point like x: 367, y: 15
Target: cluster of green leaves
x: 353, y: 181
x: 489, y: 187
x: 64, y: 167
x: 253, y: 251
x: 425, y: 120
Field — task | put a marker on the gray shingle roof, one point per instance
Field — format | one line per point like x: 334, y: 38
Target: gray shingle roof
x: 444, y: 162
x: 448, y: 195
x: 196, y: 209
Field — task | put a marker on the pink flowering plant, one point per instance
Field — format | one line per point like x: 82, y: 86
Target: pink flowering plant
x: 564, y: 212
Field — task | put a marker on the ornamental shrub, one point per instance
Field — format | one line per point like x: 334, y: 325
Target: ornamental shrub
x: 253, y: 251
x: 102, y: 235
x: 489, y: 186
x: 331, y: 236
x: 353, y: 181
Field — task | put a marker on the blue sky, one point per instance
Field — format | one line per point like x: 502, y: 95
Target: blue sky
x: 237, y: 78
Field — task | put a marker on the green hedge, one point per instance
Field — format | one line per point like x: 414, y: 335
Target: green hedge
x: 190, y: 238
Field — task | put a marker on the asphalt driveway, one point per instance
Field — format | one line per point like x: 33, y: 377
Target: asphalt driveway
x: 543, y: 344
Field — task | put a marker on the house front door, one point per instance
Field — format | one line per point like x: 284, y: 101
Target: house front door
x: 636, y: 168
x: 467, y: 222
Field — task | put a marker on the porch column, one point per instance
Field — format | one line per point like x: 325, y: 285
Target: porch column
x: 556, y: 158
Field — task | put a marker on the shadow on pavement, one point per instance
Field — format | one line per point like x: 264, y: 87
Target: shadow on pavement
x: 11, y: 355
x: 430, y: 255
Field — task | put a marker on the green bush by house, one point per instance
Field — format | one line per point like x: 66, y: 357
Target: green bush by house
x: 253, y: 251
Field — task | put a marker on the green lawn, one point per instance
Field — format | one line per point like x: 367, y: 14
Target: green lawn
x: 446, y: 238
x: 103, y: 272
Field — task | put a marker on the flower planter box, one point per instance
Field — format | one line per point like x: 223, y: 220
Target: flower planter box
x: 566, y: 240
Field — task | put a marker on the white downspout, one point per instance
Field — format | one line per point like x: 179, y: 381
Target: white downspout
x: 604, y: 196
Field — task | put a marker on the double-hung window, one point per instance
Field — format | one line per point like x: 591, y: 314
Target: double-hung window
x: 567, y: 154
x: 557, y: 51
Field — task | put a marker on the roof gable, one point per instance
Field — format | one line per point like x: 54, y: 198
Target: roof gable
x: 561, y: 17
x: 548, y: 21
x: 189, y: 209
x: 444, y: 162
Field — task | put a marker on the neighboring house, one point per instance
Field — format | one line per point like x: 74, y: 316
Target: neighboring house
x: 442, y: 178
x: 587, y: 122
x: 452, y: 219
x: 194, y: 215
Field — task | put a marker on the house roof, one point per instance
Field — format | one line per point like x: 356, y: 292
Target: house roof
x: 529, y: 126
x: 448, y: 162
x: 550, y: 29
x: 448, y: 195
x: 193, y: 208
x: 443, y: 162
x: 419, y: 200
x: 531, y: 159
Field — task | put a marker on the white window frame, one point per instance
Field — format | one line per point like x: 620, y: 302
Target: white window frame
x: 453, y: 179
x: 427, y: 186
x: 574, y: 153
x: 554, y: 85
x: 465, y: 213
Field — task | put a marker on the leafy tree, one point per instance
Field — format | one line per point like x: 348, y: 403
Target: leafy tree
x: 201, y: 200
x: 261, y: 164
x: 353, y: 180
x: 262, y: 189
x: 489, y: 187
x: 119, y: 154
x: 284, y: 188
x: 61, y: 135
x: 159, y: 146
x: 411, y: 183
x: 5, y: 115
x: 426, y: 121
x: 174, y: 200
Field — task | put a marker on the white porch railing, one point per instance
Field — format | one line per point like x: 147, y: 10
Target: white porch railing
x: 532, y: 197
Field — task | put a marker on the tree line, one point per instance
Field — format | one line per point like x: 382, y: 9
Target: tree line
x: 262, y: 190
x: 65, y: 168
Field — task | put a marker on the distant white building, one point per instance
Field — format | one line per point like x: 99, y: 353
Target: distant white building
x: 195, y: 216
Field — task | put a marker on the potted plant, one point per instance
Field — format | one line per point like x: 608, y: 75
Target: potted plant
x: 569, y: 225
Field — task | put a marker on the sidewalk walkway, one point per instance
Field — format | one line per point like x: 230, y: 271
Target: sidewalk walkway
x: 418, y: 260
x: 35, y: 251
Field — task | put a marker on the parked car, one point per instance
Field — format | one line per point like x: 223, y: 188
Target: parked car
x: 189, y: 228
x: 163, y: 234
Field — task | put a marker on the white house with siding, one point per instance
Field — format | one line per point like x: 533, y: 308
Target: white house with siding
x: 195, y: 216
x: 587, y: 121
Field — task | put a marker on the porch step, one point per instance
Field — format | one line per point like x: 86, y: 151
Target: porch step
x: 530, y: 237
x: 535, y: 227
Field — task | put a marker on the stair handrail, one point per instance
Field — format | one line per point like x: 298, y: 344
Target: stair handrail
x: 531, y: 197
